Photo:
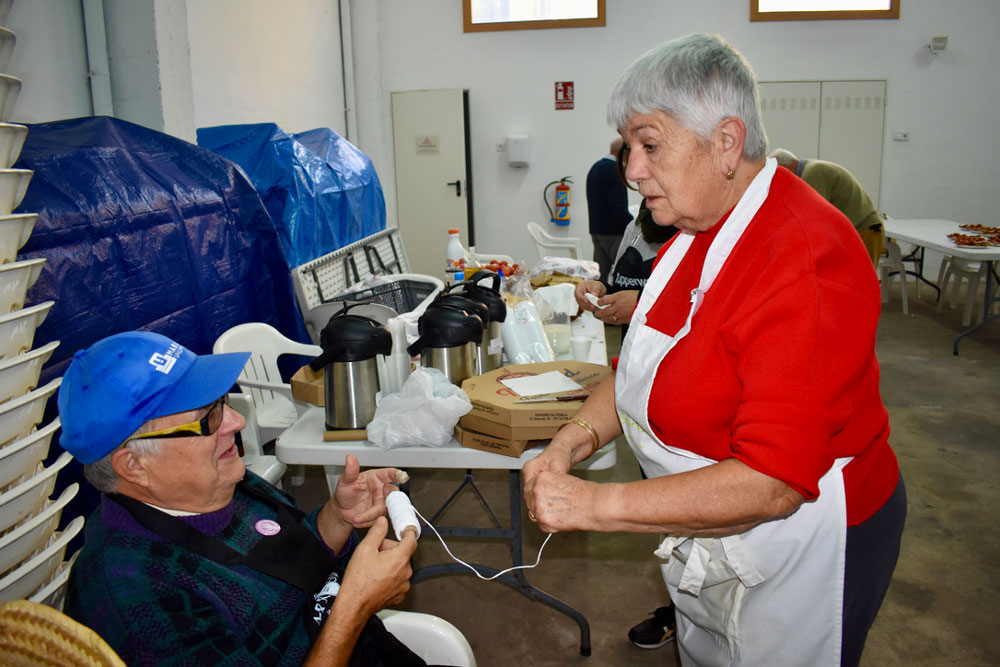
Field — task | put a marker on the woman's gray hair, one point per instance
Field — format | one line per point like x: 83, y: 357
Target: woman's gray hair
x: 103, y: 477
x: 697, y: 80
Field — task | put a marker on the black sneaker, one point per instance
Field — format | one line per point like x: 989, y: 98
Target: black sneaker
x: 655, y: 631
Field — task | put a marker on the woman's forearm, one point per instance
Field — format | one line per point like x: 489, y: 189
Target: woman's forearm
x: 720, y: 499
x: 600, y: 413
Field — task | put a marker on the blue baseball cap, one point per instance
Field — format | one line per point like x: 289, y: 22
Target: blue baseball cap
x: 121, y: 382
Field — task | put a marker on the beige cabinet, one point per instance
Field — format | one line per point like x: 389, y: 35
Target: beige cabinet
x: 840, y: 121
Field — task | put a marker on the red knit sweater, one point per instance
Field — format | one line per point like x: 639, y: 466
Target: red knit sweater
x: 779, y: 369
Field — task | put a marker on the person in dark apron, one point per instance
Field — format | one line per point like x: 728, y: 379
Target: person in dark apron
x: 747, y: 386
x: 190, y: 559
x: 617, y: 297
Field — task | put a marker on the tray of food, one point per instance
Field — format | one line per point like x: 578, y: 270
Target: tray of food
x: 974, y: 240
x: 981, y: 229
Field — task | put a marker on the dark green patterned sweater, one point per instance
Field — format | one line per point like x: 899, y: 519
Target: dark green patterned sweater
x: 157, y: 603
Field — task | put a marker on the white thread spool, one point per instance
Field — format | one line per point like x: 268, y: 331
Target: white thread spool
x: 401, y: 513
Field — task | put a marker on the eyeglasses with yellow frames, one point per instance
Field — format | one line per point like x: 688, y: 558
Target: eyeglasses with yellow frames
x: 207, y: 425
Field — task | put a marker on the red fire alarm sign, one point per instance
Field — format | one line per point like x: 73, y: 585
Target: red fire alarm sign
x: 564, y: 95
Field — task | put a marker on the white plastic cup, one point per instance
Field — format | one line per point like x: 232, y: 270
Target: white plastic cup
x: 581, y: 347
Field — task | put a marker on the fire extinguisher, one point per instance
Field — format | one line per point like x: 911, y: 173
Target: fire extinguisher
x: 561, y: 214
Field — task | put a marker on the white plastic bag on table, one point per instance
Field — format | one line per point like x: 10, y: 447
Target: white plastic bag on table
x: 424, y: 412
x: 556, y: 304
x: 581, y: 269
x: 524, y: 339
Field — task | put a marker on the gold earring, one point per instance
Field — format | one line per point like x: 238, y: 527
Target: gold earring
x: 731, y: 174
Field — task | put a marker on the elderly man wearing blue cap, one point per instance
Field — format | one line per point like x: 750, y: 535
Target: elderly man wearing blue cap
x: 192, y: 560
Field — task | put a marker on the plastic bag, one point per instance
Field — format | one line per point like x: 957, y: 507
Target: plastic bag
x: 555, y: 270
x: 424, y: 412
x: 524, y: 338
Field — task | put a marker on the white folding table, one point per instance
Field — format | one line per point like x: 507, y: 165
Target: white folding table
x: 303, y: 444
x: 933, y: 234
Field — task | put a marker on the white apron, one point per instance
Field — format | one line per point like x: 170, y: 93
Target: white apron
x: 772, y: 595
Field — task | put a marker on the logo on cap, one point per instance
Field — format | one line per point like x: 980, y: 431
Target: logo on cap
x: 164, y: 362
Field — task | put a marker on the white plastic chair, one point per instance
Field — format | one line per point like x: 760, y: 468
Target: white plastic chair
x: 27, y: 538
x: 268, y: 467
x: 22, y: 456
x: 19, y: 374
x: 19, y: 415
x: 554, y: 246
x: 53, y: 593
x: 10, y: 89
x: 31, y: 575
x: 961, y: 269
x: 15, y: 230
x: 891, y: 265
x: 276, y: 408
x: 13, y: 185
x: 432, y: 638
x: 17, y: 329
x: 28, y: 497
x: 15, y: 280
x: 12, y: 138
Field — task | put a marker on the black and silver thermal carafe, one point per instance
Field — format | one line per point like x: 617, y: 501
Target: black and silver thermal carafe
x: 350, y: 344
x: 449, y: 333
x: 490, y: 352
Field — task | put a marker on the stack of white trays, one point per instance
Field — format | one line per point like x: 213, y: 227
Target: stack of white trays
x: 32, y: 551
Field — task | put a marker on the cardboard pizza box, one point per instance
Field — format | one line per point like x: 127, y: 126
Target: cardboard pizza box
x: 495, y: 410
x: 489, y: 443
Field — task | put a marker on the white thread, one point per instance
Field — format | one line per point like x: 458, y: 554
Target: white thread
x: 474, y: 570
x: 401, y: 513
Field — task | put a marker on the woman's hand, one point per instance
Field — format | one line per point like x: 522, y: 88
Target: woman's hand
x: 585, y: 287
x: 561, y: 502
x: 552, y: 459
x: 619, y: 307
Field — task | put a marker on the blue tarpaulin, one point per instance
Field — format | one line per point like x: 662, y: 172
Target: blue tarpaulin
x: 142, y: 230
x: 321, y: 191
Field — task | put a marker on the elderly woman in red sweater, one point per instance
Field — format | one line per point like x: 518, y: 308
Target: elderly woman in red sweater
x: 747, y: 386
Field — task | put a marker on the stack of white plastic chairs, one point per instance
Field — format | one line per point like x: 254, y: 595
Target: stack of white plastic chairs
x: 31, y: 550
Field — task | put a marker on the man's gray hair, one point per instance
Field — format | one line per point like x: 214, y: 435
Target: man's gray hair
x: 697, y: 80
x: 103, y: 477
x: 785, y: 158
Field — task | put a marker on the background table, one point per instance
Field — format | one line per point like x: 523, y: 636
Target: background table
x: 933, y: 233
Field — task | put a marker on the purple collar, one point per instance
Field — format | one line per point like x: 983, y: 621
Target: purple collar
x: 116, y: 517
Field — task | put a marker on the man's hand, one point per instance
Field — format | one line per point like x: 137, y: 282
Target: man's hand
x: 377, y: 575
x: 379, y: 571
x: 360, y: 496
x: 358, y: 500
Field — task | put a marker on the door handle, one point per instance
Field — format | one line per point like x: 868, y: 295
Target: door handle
x: 458, y: 187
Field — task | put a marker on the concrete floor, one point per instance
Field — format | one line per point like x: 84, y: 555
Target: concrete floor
x: 945, y: 420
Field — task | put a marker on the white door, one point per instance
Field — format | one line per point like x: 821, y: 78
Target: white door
x: 432, y: 175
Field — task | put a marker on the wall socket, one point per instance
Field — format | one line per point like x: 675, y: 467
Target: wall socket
x: 501, y: 145
x: 900, y: 136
